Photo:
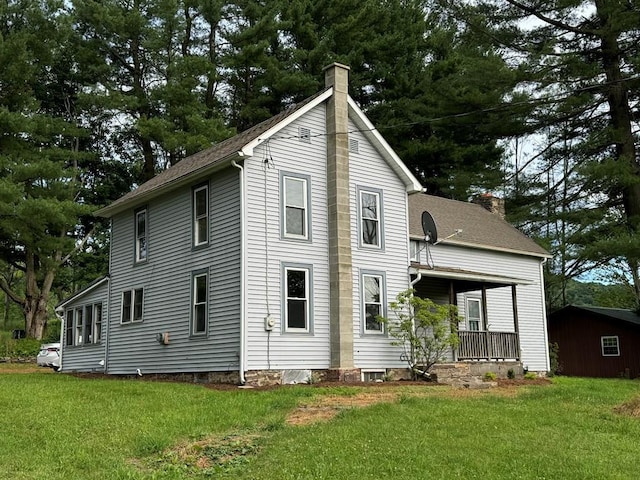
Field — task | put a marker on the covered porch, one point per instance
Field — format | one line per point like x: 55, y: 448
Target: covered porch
x: 484, y: 336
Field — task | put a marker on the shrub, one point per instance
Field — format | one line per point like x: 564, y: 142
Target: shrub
x: 489, y: 377
x: 22, y: 348
x: 530, y: 376
x: 424, y: 329
x: 554, y: 362
x: 511, y: 374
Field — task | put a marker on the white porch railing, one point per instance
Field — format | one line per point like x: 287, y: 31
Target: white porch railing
x: 488, y: 346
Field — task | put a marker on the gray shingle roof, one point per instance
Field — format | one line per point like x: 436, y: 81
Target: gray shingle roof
x: 218, y: 154
x: 623, y: 314
x: 480, y: 228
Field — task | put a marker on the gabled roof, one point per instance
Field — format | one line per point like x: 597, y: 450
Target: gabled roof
x: 92, y: 286
x: 619, y: 314
x: 471, y: 225
x: 242, y: 146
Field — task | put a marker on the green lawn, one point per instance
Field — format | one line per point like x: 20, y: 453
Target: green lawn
x: 58, y: 426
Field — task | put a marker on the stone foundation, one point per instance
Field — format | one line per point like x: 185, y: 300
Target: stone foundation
x: 471, y: 374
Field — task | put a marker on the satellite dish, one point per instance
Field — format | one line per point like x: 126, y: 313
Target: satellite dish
x: 429, y: 228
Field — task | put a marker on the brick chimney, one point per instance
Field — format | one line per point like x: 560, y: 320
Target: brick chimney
x: 491, y: 203
x: 340, y: 264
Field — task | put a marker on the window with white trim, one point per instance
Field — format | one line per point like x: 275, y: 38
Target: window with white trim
x: 97, y: 323
x: 200, y: 296
x: 370, y: 218
x: 296, y: 299
x: 610, y: 346
x: 414, y: 250
x: 295, y: 207
x: 201, y: 215
x: 474, y: 314
x: 88, y: 325
x: 83, y: 325
x: 79, y: 320
x: 69, y: 328
x: 132, y: 302
x: 141, y: 235
x: 372, y: 302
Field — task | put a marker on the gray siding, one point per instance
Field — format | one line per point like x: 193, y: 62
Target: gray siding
x: 166, y: 279
x: 86, y: 358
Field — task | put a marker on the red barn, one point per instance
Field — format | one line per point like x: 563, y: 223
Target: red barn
x: 596, y: 342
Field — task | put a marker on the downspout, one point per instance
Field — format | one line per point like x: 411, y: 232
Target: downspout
x: 60, y: 314
x: 241, y: 367
x: 107, y: 333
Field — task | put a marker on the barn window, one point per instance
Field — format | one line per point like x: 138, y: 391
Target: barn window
x: 610, y: 346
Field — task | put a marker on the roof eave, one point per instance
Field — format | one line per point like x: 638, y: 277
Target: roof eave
x: 470, y: 276
x: 113, y: 209
x: 478, y: 246
x: 412, y: 185
x: 82, y: 292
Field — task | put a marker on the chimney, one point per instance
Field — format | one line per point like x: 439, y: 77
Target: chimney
x: 340, y: 265
x: 491, y: 203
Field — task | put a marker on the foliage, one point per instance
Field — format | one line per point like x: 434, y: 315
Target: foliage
x: 424, y: 329
x: 490, y: 377
x: 530, y: 376
x: 511, y: 374
x: 555, y: 368
x: 22, y: 348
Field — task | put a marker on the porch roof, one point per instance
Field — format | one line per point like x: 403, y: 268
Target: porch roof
x: 467, y: 280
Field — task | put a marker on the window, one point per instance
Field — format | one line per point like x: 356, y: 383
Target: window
x: 414, y: 250
x: 373, y: 375
x: 474, y: 314
x: 201, y: 215
x: 373, y: 302
x: 78, y: 339
x: 370, y: 218
x: 97, y: 313
x: 141, y: 235
x: 199, y: 313
x: 69, y: 328
x: 296, y: 211
x: 610, y: 346
x: 88, y: 325
x: 297, y: 298
x: 132, y: 305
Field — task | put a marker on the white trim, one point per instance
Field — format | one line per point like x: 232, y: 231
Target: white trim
x: 458, y: 243
x: 381, y: 301
x: 617, y: 345
x: 306, y: 298
x: 247, y: 150
x: 243, y: 274
x: 82, y: 293
x: 470, y: 276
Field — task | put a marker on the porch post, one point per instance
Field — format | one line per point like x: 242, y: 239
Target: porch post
x: 453, y: 301
x: 486, y: 326
x: 516, y: 327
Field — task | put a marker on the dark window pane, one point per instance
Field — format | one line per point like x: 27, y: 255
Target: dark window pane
x: 372, y: 312
x: 142, y: 220
x: 295, y: 221
x: 370, y: 232
x: 69, y: 339
x: 201, y: 315
x: 126, y: 306
x: 202, y: 230
x: 296, y: 313
x: 201, y: 289
x: 369, y: 206
x: 296, y: 284
x: 201, y: 202
x: 137, y: 307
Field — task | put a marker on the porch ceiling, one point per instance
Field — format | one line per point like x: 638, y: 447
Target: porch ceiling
x: 467, y: 280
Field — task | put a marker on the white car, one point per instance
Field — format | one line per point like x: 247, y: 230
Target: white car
x: 49, y: 356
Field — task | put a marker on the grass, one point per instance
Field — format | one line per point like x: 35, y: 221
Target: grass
x: 58, y: 426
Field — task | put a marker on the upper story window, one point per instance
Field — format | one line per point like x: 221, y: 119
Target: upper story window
x: 373, y: 302
x: 610, y: 346
x: 201, y: 215
x: 132, y: 303
x: 295, y: 206
x: 141, y: 235
x: 370, y: 217
x: 200, y: 295
x: 297, y: 298
x: 474, y: 314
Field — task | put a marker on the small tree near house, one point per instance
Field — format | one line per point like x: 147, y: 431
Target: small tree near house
x: 424, y: 329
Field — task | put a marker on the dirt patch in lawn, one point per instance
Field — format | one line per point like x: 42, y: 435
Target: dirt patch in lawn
x: 630, y: 408
x: 325, y: 407
x: 9, y: 367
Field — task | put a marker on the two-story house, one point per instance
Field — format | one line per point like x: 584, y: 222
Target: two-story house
x: 271, y: 252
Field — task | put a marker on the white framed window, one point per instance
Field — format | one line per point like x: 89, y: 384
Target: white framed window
x: 295, y: 206
x: 370, y: 218
x: 141, y: 235
x: 200, y: 294
x: 297, y: 298
x: 201, y: 215
x: 414, y: 250
x: 373, y: 375
x: 69, y: 328
x: 373, y: 293
x: 610, y: 346
x: 78, y: 322
x: 97, y: 322
x: 473, y: 314
x: 132, y: 305
x: 88, y: 325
